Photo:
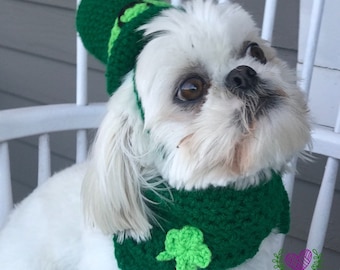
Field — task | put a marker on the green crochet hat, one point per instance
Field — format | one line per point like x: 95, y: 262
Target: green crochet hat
x: 109, y: 31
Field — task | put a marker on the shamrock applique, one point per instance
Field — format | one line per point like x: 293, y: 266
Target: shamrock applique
x: 187, y: 248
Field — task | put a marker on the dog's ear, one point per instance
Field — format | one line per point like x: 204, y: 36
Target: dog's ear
x: 112, y: 186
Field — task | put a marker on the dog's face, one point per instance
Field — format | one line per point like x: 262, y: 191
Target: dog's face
x: 219, y: 104
x: 219, y: 108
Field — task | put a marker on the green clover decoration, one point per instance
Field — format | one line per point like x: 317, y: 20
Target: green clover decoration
x: 187, y: 248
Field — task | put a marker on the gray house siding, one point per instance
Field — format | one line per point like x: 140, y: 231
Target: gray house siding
x: 37, y: 66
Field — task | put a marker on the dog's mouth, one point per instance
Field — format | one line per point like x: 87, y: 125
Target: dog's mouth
x: 258, y: 96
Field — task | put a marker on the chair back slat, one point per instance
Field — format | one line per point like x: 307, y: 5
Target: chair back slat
x: 323, y: 206
x: 6, y: 199
x: 81, y: 152
x: 44, y: 158
x: 322, y: 210
x: 312, y: 42
x: 268, y: 20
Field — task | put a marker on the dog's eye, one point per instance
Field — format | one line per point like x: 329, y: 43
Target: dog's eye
x: 191, y: 89
x: 254, y: 50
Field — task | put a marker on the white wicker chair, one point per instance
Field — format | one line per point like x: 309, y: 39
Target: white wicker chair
x: 41, y: 120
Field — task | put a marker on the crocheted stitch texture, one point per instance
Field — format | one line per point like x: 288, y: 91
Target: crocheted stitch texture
x: 109, y: 31
x: 233, y: 224
x: 187, y: 248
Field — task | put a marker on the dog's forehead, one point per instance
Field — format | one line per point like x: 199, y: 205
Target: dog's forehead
x: 203, y: 38
x: 225, y: 26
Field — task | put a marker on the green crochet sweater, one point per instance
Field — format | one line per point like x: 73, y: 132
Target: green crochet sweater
x: 215, y: 228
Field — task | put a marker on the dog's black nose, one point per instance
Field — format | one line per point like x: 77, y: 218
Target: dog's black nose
x: 242, y: 77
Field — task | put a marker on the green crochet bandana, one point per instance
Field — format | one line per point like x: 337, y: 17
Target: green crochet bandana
x: 215, y: 228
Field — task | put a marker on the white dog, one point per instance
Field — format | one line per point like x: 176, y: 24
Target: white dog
x: 208, y: 112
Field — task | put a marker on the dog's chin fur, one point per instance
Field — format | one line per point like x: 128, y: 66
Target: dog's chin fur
x: 214, y: 141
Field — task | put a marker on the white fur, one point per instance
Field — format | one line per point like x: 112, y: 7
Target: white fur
x: 46, y: 231
x: 191, y: 148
